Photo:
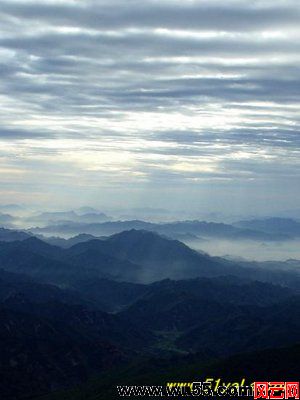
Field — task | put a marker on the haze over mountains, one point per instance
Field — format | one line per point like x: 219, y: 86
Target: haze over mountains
x: 260, y: 239
x: 112, y: 294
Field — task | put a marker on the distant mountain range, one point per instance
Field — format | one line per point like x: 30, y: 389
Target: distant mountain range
x: 6, y: 219
x: 88, y: 216
x: 95, y: 223
x: 173, y: 229
x: 285, y: 226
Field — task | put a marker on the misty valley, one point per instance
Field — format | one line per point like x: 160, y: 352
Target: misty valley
x: 88, y: 305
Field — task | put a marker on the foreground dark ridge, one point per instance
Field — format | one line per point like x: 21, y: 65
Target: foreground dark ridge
x: 69, y: 314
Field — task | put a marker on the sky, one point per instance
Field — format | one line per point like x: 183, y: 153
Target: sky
x: 184, y: 104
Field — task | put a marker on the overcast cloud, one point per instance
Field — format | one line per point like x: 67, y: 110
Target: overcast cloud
x: 180, y: 104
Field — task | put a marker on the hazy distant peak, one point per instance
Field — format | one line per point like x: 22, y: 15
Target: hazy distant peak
x: 9, y: 235
x: 86, y: 210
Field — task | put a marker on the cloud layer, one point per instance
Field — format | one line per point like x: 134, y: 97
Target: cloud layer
x: 187, y: 104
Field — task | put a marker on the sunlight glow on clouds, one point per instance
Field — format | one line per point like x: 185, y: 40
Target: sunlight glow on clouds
x: 129, y: 95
